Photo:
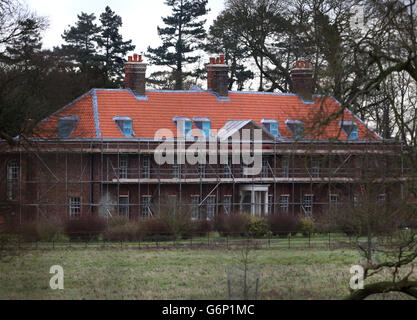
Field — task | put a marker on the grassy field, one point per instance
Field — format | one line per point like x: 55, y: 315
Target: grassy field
x: 174, y: 274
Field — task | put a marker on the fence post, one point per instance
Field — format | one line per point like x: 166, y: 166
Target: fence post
x: 227, y: 241
x: 289, y: 241
x: 330, y: 239
x: 208, y: 239
x: 309, y: 240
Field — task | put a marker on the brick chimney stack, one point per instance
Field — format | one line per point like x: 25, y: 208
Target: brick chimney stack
x: 302, y: 80
x: 135, y: 75
x: 218, y: 76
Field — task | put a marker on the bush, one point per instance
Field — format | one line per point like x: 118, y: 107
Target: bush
x: 87, y: 228
x: 257, y: 227
x: 156, y: 229
x: 42, y: 230
x: 235, y: 225
x: 307, y: 226
x: 283, y: 224
x: 202, y: 227
x: 128, y: 232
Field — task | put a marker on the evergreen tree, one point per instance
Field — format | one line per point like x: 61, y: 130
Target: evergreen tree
x: 183, y: 34
x: 81, y: 42
x: 112, y: 44
x: 26, y: 46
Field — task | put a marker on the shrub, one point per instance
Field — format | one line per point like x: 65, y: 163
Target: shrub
x: 235, y: 225
x: 42, y: 230
x: 202, y: 227
x: 257, y: 227
x: 117, y: 221
x: 283, y: 224
x: 87, y: 228
x: 156, y: 229
x: 28, y: 232
x: 126, y: 232
x: 307, y: 226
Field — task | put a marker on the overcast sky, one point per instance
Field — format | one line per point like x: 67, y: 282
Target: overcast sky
x: 140, y: 17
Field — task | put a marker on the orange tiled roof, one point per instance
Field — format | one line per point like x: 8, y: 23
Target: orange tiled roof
x: 97, y: 109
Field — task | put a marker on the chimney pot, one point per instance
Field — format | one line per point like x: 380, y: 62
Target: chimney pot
x: 135, y: 75
x: 218, y: 76
x: 302, y: 80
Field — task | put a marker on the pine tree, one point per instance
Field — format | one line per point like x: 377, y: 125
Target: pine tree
x: 81, y: 42
x: 112, y: 44
x: 182, y: 35
x: 26, y: 46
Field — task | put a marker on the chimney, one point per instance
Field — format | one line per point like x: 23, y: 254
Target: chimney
x: 302, y: 80
x: 135, y: 75
x: 218, y: 76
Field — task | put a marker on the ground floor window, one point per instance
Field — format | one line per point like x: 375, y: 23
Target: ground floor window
x: 12, y: 179
x: 334, y: 201
x: 211, y: 207
x: 270, y: 204
x: 195, y: 202
x: 227, y: 204
x: 308, y: 204
x: 75, y: 207
x: 146, y: 206
x: 284, y: 203
x: 124, y: 206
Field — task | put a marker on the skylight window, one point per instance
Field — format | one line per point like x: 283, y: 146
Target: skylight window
x: 184, y: 126
x: 204, y: 124
x: 272, y: 126
x: 66, y: 126
x: 125, y: 125
x: 297, y: 128
x: 350, y: 128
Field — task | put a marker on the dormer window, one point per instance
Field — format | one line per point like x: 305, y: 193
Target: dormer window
x: 350, y: 128
x: 272, y: 126
x: 184, y: 126
x: 204, y: 124
x: 66, y: 126
x: 297, y: 128
x: 125, y: 125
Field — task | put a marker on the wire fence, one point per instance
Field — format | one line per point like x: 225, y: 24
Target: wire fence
x: 329, y: 241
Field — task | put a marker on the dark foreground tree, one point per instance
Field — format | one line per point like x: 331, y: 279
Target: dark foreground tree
x: 114, y: 49
x: 182, y: 35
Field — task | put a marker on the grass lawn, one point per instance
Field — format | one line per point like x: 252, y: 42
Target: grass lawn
x: 174, y: 274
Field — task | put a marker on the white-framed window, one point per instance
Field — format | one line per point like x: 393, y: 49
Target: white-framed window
x: 284, y: 203
x: 195, y: 202
x: 146, y: 206
x: 334, y: 201
x: 147, y: 167
x: 201, y: 171
x: 176, y: 171
x: 12, y: 179
x: 355, y: 201
x: 227, y: 204
x: 270, y: 203
x: 124, y: 209
x: 308, y: 203
x: 285, y: 168
x: 265, y: 168
x: 75, y: 207
x: 382, y: 198
x: 315, y: 168
x: 124, y: 166
x: 227, y: 171
x: 211, y: 207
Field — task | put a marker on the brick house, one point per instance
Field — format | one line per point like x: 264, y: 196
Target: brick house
x: 97, y: 154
